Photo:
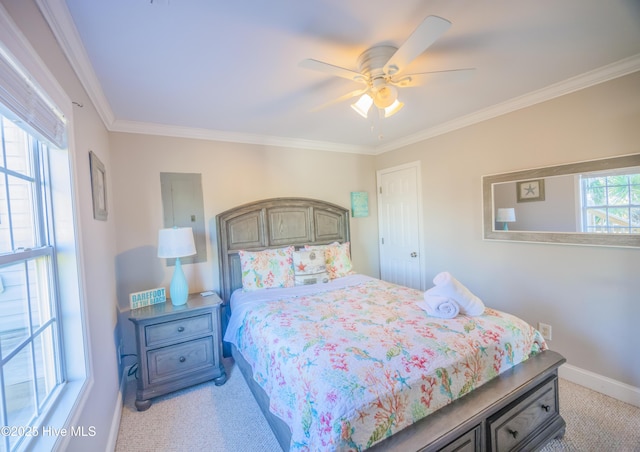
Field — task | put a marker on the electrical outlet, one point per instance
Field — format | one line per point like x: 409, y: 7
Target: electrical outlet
x: 545, y: 330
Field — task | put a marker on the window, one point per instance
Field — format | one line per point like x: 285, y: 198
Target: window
x: 44, y: 356
x: 30, y: 352
x: 611, y: 202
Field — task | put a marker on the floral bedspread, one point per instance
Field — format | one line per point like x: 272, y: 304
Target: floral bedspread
x: 347, y: 368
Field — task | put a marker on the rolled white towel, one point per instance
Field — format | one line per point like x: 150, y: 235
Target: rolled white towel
x: 447, y: 286
x: 437, y: 306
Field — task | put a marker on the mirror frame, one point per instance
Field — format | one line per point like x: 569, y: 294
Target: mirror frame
x: 573, y: 238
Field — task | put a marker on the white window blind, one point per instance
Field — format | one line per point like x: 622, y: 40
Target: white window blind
x: 21, y: 96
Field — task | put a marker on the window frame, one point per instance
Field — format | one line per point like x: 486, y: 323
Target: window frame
x: 68, y: 262
x: 584, y: 206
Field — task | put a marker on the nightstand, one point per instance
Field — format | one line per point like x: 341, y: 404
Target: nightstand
x: 178, y: 346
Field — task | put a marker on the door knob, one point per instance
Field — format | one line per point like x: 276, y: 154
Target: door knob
x: 414, y: 254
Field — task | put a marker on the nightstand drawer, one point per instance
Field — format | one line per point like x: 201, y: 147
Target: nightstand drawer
x: 514, y: 427
x: 177, y: 329
x: 170, y: 362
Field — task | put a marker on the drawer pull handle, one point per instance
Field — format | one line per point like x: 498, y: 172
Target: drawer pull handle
x: 180, y: 329
x: 546, y: 408
x: 182, y: 359
x: 513, y: 433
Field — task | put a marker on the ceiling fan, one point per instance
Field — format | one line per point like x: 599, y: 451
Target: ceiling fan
x: 381, y: 69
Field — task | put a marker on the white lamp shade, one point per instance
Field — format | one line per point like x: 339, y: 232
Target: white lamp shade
x: 363, y: 105
x: 393, y: 108
x: 176, y: 242
x: 506, y: 215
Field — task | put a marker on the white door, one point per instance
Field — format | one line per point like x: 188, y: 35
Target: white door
x: 399, y: 210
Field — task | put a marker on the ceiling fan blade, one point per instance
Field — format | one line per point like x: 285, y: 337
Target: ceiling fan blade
x: 327, y: 68
x: 347, y: 96
x: 454, y: 75
x: 426, y: 34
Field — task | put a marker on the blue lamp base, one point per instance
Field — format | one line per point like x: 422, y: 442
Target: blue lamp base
x: 179, y: 289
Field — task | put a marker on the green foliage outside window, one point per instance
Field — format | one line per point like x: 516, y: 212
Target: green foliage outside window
x: 612, y: 203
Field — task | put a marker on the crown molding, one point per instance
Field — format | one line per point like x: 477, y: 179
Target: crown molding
x: 577, y: 83
x: 57, y: 15
x: 235, y: 137
x: 61, y: 23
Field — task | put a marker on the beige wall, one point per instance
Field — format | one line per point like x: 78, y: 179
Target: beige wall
x: 232, y: 174
x: 590, y: 295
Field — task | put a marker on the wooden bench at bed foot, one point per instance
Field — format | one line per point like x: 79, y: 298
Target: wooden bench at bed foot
x: 517, y: 411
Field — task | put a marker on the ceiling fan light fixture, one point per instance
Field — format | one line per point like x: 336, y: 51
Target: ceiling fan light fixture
x: 394, y: 108
x: 386, y: 96
x: 381, y: 69
x: 362, y: 105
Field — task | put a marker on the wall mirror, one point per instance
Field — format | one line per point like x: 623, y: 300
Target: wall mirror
x: 595, y: 202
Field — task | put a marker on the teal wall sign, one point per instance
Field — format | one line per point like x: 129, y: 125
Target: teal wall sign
x: 359, y: 204
x: 147, y: 297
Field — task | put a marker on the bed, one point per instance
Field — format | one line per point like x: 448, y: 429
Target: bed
x: 468, y: 383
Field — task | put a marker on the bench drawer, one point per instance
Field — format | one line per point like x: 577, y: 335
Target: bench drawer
x: 514, y: 428
x: 469, y: 442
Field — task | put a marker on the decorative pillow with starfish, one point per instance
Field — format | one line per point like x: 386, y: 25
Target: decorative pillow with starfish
x: 309, y: 267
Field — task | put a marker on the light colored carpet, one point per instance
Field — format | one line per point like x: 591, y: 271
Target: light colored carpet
x: 204, y: 417
x: 227, y: 418
x: 595, y: 422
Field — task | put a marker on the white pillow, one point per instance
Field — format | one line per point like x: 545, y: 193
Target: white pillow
x: 309, y: 267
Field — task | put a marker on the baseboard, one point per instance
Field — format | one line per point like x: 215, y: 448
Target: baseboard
x: 605, y: 385
x: 115, y: 420
x: 115, y: 424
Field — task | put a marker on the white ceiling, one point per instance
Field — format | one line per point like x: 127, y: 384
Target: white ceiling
x: 228, y: 70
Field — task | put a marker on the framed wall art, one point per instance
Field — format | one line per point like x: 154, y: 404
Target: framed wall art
x: 530, y: 190
x: 359, y: 204
x: 98, y: 187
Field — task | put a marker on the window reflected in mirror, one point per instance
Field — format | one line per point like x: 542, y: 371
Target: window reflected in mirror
x: 611, y: 202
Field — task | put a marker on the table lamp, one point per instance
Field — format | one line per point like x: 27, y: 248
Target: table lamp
x: 506, y: 215
x: 176, y: 243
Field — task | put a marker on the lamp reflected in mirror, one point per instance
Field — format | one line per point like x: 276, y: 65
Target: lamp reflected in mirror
x: 506, y: 215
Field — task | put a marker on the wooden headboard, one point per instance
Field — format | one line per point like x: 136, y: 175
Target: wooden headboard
x: 274, y: 223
